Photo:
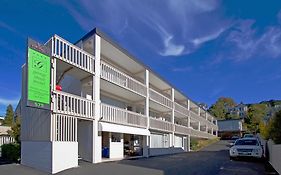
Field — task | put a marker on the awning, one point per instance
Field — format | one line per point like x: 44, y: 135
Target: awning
x: 109, y: 127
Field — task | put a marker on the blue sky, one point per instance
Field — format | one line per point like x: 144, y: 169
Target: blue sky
x: 207, y: 49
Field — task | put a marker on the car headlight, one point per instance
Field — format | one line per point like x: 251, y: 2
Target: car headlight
x: 256, y: 151
x: 233, y: 150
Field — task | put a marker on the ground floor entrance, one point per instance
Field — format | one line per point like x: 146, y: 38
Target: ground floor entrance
x: 121, y: 145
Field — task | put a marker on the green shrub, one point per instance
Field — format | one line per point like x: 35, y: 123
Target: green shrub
x: 11, y: 151
x: 275, y: 130
x: 193, y: 144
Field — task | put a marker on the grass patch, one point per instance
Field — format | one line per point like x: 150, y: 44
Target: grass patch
x: 197, y: 144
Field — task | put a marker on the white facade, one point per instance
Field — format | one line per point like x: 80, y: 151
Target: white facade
x: 111, y: 106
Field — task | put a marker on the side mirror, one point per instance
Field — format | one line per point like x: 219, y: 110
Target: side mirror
x: 231, y: 144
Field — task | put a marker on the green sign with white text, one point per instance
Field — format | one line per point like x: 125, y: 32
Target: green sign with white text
x: 38, y: 85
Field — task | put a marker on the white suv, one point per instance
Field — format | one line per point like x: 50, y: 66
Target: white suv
x: 246, y: 147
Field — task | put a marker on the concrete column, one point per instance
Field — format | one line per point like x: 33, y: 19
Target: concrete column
x: 199, y: 110
x: 206, y: 116
x: 53, y: 87
x: 188, y: 105
x: 173, y: 114
x: 96, y: 90
x: 188, y: 143
x: 147, y: 138
x: 206, y: 128
x: 212, y: 130
x: 199, y: 126
x: 188, y: 121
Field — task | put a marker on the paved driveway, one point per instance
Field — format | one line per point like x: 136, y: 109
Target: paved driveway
x: 211, y: 160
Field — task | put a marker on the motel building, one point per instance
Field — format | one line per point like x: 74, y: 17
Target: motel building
x: 94, y: 101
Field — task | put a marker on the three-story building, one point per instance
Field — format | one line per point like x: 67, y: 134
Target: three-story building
x: 105, y: 104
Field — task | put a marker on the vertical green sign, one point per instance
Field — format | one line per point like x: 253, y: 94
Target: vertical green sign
x: 38, y: 85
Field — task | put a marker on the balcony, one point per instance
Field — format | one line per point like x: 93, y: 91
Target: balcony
x: 180, y: 129
x: 182, y: 110
x: 160, y: 99
x: 119, y: 78
x: 69, y: 104
x: 201, y: 134
x: 71, y: 54
x: 196, y: 117
x: 161, y: 125
x: 121, y: 116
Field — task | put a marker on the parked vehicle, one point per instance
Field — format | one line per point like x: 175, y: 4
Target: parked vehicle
x: 233, y: 139
x: 246, y: 147
x: 248, y: 136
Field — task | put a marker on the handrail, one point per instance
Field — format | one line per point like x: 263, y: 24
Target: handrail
x: 70, y: 104
x: 114, y: 75
x: 158, y: 97
x: 179, y: 108
x: 182, y: 129
x: 195, y: 116
x: 158, y: 124
x: 72, y: 54
x: 117, y: 115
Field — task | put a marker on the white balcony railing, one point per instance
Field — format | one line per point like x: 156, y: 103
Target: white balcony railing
x: 202, y: 134
x: 69, y: 104
x: 182, y: 129
x: 179, y: 108
x: 72, y: 54
x: 202, y: 120
x: 161, y: 125
x: 115, y: 76
x: 159, y: 98
x: 122, y: 116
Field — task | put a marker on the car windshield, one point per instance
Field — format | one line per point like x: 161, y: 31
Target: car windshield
x: 248, y: 135
x: 246, y: 142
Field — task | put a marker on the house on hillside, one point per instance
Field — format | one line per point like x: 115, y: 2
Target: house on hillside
x: 4, y: 130
x: 239, y: 110
x: 271, y: 112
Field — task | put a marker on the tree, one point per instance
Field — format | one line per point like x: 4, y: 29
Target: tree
x: 256, y: 113
x: 15, y: 132
x: 275, y: 130
x: 231, y: 116
x: 265, y: 129
x: 219, y: 109
x: 8, y: 121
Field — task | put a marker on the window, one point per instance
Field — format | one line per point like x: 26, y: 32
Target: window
x: 115, y: 137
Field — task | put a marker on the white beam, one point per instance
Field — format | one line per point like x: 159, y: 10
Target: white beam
x: 96, y: 153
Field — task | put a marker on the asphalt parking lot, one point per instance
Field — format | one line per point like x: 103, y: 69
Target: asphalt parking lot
x: 213, y: 159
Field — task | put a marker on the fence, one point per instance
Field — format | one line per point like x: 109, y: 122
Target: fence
x: 274, y: 158
x: 4, y: 139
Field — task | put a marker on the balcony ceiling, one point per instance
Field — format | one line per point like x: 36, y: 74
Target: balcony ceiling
x: 158, y: 107
x: 71, y: 70
x: 179, y: 96
x: 120, y: 58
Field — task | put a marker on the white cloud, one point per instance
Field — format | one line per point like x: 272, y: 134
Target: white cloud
x: 171, y: 49
x: 246, y: 43
x: 212, y: 36
x: 168, y: 26
x: 5, y: 101
x: 182, y: 69
x: 10, y: 29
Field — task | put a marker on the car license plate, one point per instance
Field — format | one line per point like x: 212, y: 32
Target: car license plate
x: 244, y: 153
